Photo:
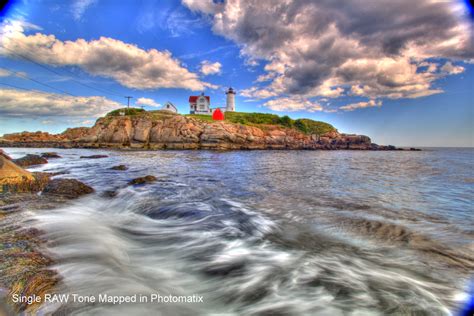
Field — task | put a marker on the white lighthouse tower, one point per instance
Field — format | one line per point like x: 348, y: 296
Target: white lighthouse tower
x: 230, y: 106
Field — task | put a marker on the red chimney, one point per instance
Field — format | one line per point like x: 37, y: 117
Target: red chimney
x: 217, y: 115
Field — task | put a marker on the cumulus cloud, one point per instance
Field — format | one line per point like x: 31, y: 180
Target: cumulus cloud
x: 210, y: 68
x: 293, y: 104
x: 147, y: 101
x: 361, y: 105
x: 32, y: 103
x: 332, y: 49
x: 451, y: 69
x: 79, y: 7
x: 126, y: 63
x: 257, y: 93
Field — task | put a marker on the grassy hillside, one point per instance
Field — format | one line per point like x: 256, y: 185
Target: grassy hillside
x: 306, y: 126
x: 126, y: 111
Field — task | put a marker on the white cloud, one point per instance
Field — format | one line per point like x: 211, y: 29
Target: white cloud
x: 210, y: 68
x: 293, y: 104
x: 32, y: 103
x: 318, y: 48
x: 450, y: 69
x: 4, y: 73
x: 126, y: 63
x: 361, y: 105
x: 257, y: 93
x: 8, y: 73
x: 147, y: 101
x: 266, y: 77
x: 79, y: 7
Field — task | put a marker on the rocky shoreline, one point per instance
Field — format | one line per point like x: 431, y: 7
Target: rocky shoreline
x: 25, y: 266
x: 160, y: 130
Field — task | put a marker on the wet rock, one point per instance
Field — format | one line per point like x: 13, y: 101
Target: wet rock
x: 50, y: 155
x: 94, y: 157
x: 143, y: 180
x: 13, y: 178
x: 69, y: 188
x: 415, y: 149
x: 30, y: 160
x: 119, y: 167
x: 110, y: 193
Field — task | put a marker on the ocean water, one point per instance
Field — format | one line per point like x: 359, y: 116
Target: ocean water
x: 265, y: 232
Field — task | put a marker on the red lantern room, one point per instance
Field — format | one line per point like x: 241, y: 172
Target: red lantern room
x: 217, y: 115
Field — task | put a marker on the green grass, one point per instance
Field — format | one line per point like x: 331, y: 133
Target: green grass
x: 306, y: 126
x: 202, y: 117
x: 127, y: 111
x: 313, y: 127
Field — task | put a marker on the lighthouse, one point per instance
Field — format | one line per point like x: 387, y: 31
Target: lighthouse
x: 230, y: 106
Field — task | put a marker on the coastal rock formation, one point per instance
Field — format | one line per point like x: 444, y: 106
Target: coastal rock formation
x: 15, y: 179
x: 68, y: 188
x: 171, y: 131
x: 30, y: 160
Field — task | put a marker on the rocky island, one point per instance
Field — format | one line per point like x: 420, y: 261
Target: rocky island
x: 140, y: 129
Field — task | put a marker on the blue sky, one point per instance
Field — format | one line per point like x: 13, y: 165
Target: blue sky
x: 393, y: 72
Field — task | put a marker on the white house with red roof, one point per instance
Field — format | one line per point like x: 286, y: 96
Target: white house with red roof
x: 200, y: 104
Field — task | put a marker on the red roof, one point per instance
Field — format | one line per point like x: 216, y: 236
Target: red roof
x: 193, y: 98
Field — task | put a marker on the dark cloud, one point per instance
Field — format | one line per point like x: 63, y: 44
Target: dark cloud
x: 374, y: 47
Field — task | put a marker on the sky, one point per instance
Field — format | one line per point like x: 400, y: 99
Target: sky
x: 400, y: 72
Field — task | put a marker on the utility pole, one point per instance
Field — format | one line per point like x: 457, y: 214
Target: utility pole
x: 128, y: 103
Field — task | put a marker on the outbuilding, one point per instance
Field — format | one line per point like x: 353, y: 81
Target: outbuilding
x: 170, y: 107
x: 217, y: 115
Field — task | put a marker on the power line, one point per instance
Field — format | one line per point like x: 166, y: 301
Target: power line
x: 18, y: 74
x: 102, y: 90
x: 13, y: 86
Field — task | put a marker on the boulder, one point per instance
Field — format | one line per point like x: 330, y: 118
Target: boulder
x: 94, y: 157
x: 143, y: 180
x: 68, y: 188
x: 50, y: 155
x: 30, y: 160
x: 119, y: 167
x: 15, y: 179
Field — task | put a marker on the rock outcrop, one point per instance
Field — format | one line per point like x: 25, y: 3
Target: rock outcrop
x: 30, y: 160
x: 184, y: 132
x: 15, y: 179
x: 68, y: 188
